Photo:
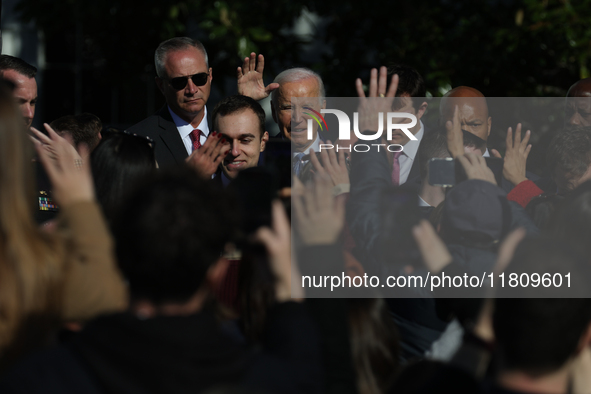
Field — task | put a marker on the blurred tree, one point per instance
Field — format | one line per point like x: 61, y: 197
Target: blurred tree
x: 502, y: 47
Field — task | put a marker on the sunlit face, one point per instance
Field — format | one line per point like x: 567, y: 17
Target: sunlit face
x: 577, y: 112
x: 242, y: 130
x: 292, y: 123
x: 187, y: 103
x: 405, y: 104
x: 567, y: 182
x: 473, y: 112
x: 25, y: 93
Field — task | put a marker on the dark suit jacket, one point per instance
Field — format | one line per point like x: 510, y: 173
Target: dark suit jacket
x: 168, y: 146
x: 176, y: 354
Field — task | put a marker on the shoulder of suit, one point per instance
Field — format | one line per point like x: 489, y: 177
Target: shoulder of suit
x: 151, y: 124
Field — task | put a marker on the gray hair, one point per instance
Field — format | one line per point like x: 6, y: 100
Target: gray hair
x: 175, y: 44
x: 294, y: 75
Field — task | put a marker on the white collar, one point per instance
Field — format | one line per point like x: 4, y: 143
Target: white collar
x: 185, y: 128
x: 411, y: 147
x: 423, y: 203
x: 315, y: 145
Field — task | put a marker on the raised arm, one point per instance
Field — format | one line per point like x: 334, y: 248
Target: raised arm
x: 250, y: 78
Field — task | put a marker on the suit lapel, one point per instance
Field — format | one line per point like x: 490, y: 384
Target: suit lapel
x: 169, y: 135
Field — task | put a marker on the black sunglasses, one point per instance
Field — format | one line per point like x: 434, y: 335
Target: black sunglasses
x: 180, y: 83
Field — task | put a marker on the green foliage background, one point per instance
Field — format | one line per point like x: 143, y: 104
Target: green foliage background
x: 503, y: 48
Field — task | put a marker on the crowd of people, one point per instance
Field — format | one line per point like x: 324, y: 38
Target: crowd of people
x: 160, y: 258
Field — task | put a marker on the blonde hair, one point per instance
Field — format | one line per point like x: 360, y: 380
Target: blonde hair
x: 30, y: 270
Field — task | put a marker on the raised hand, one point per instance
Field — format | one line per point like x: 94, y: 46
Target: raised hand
x: 476, y: 168
x: 319, y: 217
x: 335, y: 169
x: 455, y: 137
x: 370, y: 107
x: 250, y: 78
x: 278, y: 243
x: 433, y: 251
x: 515, y: 161
x: 70, y: 175
x: 207, y: 159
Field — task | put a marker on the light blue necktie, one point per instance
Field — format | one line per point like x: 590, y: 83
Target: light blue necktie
x: 298, y: 165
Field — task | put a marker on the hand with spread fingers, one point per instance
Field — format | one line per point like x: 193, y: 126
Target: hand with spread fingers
x: 335, y: 169
x: 278, y: 243
x: 250, y: 78
x: 208, y: 157
x: 476, y: 168
x: 379, y: 101
x: 455, y: 137
x: 319, y: 217
x: 69, y: 174
x: 515, y: 161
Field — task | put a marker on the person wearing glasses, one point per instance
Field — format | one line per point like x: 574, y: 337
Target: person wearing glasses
x: 184, y: 78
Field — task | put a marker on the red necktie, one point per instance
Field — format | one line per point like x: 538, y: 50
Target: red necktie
x: 195, y: 134
x: 396, y: 169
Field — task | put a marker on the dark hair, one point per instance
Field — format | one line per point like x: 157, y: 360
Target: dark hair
x: 8, y: 62
x: 570, y: 151
x: 538, y: 335
x: 169, y: 232
x: 238, y: 103
x: 432, y: 145
x: 375, y: 344
x: 175, y: 44
x: 84, y: 128
x: 410, y: 83
x: 118, y: 162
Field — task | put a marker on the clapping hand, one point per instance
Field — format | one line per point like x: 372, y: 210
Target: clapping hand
x: 208, y: 157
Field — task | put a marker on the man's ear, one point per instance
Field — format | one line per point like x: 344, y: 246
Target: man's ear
x: 210, y: 74
x: 159, y: 83
x: 323, y: 106
x: 421, y: 110
x: 217, y: 272
x: 489, y: 125
x: 264, y: 141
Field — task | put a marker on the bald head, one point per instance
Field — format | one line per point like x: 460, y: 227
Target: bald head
x: 464, y: 91
x: 581, y: 88
x: 578, y: 105
x: 473, y: 111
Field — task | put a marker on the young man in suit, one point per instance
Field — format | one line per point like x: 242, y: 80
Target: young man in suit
x: 240, y: 120
x: 184, y: 78
x: 410, y: 95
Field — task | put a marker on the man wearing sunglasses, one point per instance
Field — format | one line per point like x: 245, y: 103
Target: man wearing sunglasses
x: 184, y: 78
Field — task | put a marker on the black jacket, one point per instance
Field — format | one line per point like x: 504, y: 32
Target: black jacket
x: 175, y: 354
x: 169, y: 148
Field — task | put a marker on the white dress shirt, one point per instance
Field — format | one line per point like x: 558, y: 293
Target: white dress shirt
x: 409, y: 154
x: 423, y: 203
x: 315, y: 145
x: 185, y: 130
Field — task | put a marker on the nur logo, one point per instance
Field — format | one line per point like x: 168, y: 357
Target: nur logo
x: 345, y: 124
x: 317, y: 117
